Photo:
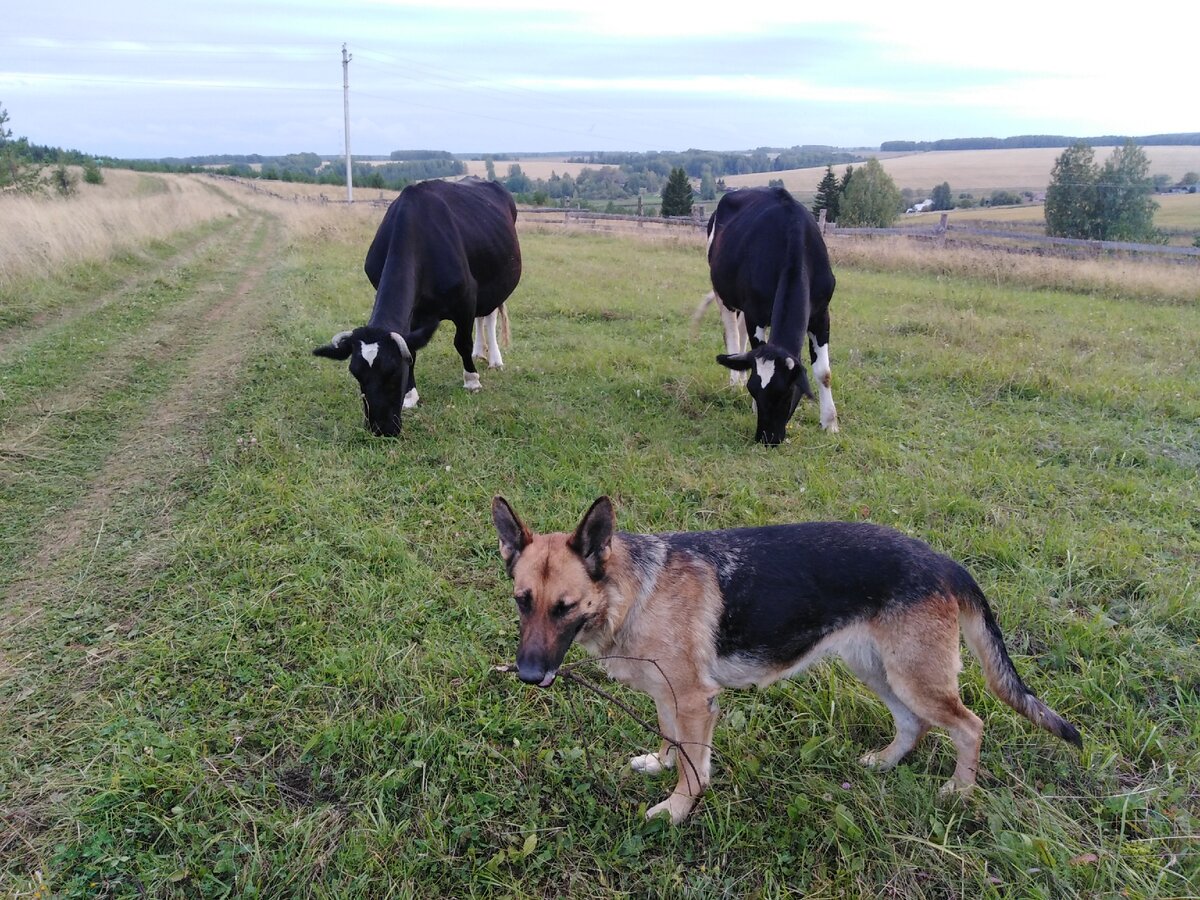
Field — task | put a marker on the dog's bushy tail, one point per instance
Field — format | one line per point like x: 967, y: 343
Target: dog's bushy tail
x: 987, y: 643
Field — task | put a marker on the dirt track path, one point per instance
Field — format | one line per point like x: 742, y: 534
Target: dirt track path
x: 189, y: 360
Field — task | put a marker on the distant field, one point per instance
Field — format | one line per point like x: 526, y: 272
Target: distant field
x: 534, y: 168
x: 1175, y: 212
x: 975, y: 171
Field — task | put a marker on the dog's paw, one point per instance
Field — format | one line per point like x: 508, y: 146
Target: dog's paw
x: 877, y: 759
x: 649, y: 764
x: 677, y: 806
x: 956, y: 788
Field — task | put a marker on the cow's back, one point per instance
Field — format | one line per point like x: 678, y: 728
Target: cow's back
x: 438, y: 236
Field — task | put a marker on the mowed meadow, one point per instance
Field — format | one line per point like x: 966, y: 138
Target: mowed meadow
x: 247, y: 649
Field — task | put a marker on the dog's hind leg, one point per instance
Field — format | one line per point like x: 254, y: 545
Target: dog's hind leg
x: 922, y: 660
x: 695, y: 720
x: 910, y: 727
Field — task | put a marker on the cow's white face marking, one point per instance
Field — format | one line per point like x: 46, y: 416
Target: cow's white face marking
x: 766, y: 370
x: 369, y: 352
x: 761, y: 333
x: 411, y: 398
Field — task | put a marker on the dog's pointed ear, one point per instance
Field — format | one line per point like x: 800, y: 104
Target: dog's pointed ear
x: 514, y: 535
x: 739, y: 362
x: 592, y: 540
x: 339, y: 347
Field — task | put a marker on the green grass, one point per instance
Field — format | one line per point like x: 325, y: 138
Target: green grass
x: 288, y: 689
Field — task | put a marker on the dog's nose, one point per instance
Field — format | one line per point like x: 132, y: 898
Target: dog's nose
x: 539, y: 675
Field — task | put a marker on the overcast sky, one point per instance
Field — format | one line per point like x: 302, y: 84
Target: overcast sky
x: 149, y: 78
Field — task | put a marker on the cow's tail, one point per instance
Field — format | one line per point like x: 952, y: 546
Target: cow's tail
x: 983, y: 636
x: 700, y: 310
x: 505, y: 336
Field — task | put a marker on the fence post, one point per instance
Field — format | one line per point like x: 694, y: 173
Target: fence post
x: 941, y: 229
x: 821, y: 220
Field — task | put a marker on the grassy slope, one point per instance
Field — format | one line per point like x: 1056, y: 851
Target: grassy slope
x: 287, y: 688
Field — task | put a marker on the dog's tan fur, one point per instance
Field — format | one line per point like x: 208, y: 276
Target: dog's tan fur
x: 653, y: 623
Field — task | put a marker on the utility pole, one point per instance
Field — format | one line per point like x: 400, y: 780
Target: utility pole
x: 346, y: 57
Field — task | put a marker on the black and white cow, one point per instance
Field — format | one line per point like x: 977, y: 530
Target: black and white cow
x: 444, y: 250
x: 767, y: 259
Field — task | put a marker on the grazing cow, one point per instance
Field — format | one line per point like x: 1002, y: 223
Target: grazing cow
x: 767, y: 259
x: 444, y: 250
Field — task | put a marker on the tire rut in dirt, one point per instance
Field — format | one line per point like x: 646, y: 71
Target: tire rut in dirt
x: 141, y: 456
x: 39, y: 324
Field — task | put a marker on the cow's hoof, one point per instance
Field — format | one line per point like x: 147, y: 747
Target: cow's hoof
x: 471, y: 381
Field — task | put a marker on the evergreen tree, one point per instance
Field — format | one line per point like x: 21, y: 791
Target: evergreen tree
x: 1071, y: 195
x: 828, y: 196
x: 941, y: 196
x: 17, y: 170
x: 677, y: 194
x: 844, y: 184
x: 872, y: 199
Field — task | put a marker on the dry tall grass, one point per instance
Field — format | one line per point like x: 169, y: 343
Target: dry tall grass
x: 1154, y: 280
x: 38, y: 234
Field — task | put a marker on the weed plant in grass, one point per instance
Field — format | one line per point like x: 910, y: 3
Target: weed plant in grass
x: 299, y: 698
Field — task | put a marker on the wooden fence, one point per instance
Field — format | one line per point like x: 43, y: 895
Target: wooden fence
x: 940, y: 234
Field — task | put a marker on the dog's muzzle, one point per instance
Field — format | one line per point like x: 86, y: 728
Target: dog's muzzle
x: 540, y: 677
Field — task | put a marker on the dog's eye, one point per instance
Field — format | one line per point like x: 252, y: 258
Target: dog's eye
x: 524, y: 601
x: 561, y: 608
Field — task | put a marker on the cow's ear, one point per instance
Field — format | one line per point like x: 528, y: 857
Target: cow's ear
x: 421, y: 336
x: 339, y: 347
x: 514, y: 535
x: 739, y: 362
x: 592, y: 540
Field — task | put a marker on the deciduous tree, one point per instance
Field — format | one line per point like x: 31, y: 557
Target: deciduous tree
x: 1071, y: 195
x: 872, y: 199
x: 941, y: 196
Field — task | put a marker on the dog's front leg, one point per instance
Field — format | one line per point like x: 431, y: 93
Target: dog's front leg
x: 695, y: 720
x: 653, y: 763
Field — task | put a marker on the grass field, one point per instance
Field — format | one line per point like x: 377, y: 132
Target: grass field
x: 247, y: 650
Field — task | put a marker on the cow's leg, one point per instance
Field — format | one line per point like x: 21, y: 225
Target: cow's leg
x: 462, y: 343
x: 756, y: 332
x: 410, y: 386
x: 495, y: 360
x: 734, y: 324
x: 480, y: 350
x: 818, y: 337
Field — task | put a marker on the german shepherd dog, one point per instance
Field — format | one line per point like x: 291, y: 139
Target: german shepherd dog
x: 683, y: 615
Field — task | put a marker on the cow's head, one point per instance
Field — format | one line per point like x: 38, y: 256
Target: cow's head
x: 777, y: 383
x: 557, y: 584
x: 382, y: 362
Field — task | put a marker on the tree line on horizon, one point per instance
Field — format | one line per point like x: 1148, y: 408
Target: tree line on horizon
x: 1027, y: 141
